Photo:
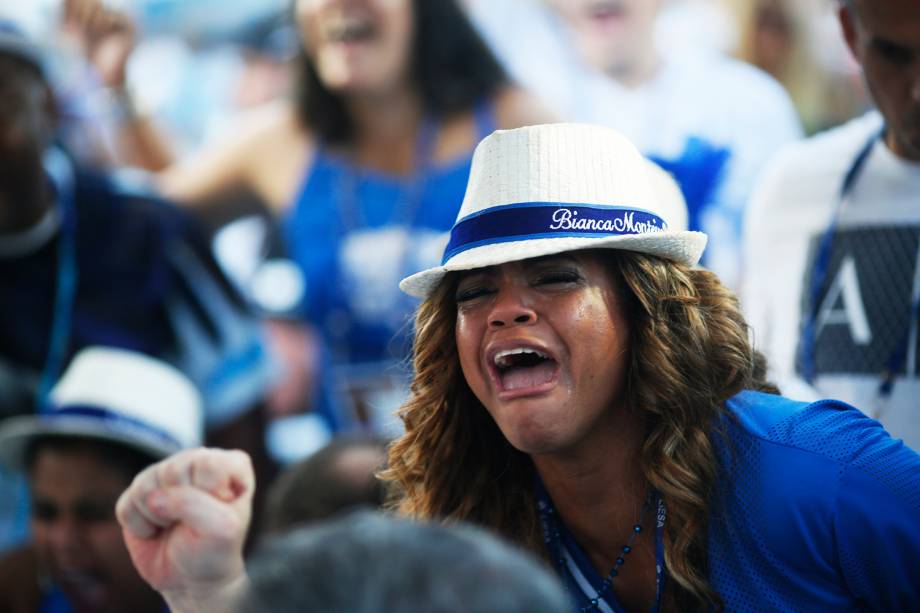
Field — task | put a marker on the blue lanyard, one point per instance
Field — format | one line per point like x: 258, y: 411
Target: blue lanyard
x: 404, y: 214
x: 661, y: 515
x: 819, y: 278
x: 559, y: 541
x: 422, y: 158
x: 65, y: 292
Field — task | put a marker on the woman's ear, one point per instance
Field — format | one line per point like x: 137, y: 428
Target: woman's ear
x: 848, y: 24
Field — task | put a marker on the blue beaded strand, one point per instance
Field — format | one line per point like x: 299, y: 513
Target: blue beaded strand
x: 615, y: 571
x: 554, y: 537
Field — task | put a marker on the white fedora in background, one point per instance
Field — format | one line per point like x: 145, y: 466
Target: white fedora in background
x: 113, y: 395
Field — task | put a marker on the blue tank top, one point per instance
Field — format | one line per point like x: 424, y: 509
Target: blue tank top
x: 354, y: 233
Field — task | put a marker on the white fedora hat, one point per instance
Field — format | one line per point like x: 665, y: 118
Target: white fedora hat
x: 552, y: 188
x: 16, y: 42
x: 113, y: 395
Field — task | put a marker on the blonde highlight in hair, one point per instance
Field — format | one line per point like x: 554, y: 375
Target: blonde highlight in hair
x: 689, y: 353
x: 453, y: 462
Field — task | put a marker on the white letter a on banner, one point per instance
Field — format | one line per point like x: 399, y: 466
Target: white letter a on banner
x: 852, y: 311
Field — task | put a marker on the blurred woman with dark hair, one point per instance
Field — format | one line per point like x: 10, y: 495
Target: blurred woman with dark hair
x: 371, y: 153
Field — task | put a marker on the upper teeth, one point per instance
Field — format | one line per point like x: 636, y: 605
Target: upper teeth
x: 503, y: 358
x: 346, y: 28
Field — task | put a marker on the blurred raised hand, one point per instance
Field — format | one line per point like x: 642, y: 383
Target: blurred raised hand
x: 184, y: 521
x: 103, y: 35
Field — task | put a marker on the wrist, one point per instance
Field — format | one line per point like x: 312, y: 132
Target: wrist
x: 208, y: 598
x: 119, y: 103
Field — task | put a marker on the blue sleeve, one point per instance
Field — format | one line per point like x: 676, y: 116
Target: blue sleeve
x: 877, y: 524
x: 218, y: 338
x: 213, y: 335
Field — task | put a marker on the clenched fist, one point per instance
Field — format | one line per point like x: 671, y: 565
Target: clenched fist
x: 184, y: 521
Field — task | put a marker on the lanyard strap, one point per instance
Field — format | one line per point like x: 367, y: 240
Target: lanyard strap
x: 823, y: 257
x: 347, y: 197
x: 66, y: 286
x: 661, y: 515
x: 559, y: 542
x: 404, y: 213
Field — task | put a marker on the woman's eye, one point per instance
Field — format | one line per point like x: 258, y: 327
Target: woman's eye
x: 94, y: 512
x: 43, y: 511
x: 558, y: 277
x: 894, y: 54
x: 471, y: 293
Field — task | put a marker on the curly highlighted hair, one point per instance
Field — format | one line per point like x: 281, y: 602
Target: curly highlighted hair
x: 689, y: 353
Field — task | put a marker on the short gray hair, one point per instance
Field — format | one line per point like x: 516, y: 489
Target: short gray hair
x: 369, y: 562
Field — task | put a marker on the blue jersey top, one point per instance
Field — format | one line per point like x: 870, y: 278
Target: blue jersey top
x: 355, y: 233
x: 817, y: 509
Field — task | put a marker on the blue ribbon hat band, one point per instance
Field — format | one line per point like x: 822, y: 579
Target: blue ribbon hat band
x: 115, y: 423
x: 530, y: 220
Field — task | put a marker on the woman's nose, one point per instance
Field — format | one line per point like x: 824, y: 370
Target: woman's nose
x: 511, y: 307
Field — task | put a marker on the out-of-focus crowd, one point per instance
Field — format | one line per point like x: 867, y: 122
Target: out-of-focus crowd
x: 217, y: 200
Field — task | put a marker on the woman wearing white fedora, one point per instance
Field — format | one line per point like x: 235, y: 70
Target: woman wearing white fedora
x: 583, y: 390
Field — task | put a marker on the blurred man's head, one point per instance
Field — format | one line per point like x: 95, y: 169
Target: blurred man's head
x: 75, y: 483
x: 339, y: 477
x: 112, y: 413
x: 884, y: 36
x: 366, y: 562
x: 27, y: 120
x: 613, y: 36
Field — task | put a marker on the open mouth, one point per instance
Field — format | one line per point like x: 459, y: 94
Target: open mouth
x: 85, y: 587
x: 604, y: 11
x: 524, y: 368
x: 351, y: 31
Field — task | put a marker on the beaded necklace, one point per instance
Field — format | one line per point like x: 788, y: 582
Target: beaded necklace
x: 561, y: 545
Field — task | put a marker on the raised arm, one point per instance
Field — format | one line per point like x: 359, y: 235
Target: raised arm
x: 106, y: 38
x: 184, y: 521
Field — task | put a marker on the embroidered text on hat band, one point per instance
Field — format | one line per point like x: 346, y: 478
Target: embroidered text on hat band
x: 528, y: 220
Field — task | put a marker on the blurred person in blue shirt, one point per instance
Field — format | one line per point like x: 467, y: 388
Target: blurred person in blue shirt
x: 710, y: 120
x: 370, y: 155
